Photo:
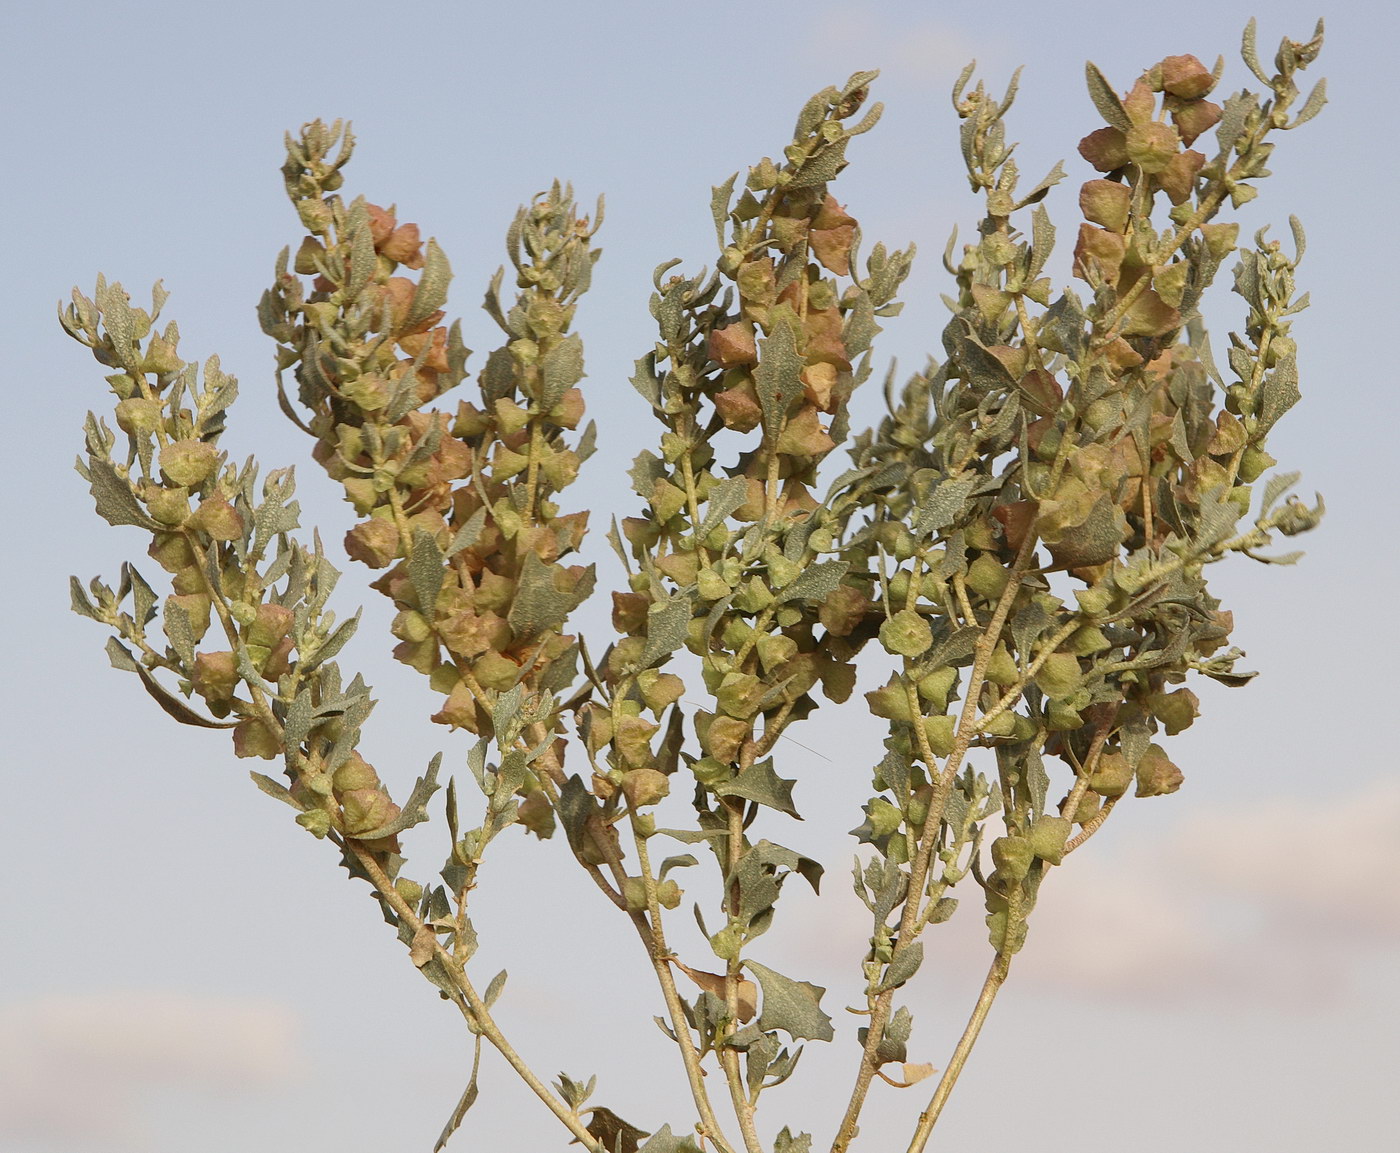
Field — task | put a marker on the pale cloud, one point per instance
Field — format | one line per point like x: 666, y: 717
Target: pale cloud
x: 1268, y: 904
x: 917, y: 54
x: 74, y: 1069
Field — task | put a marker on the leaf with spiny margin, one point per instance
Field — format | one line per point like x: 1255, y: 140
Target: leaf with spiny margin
x: 720, y: 195
x: 1034, y: 196
x: 362, y: 255
x: 905, y: 964
x: 645, y: 380
x: 560, y: 369
x: 822, y: 167
x: 120, y: 656
x: 1028, y: 624
x: 664, y: 1141
x: 815, y: 582
x: 1061, y: 328
x: 760, y: 784
x: 975, y: 364
x: 415, y: 809
x: 667, y: 622
x: 1042, y: 238
x: 646, y: 470
x: 332, y: 644
x: 777, y: 379
x: 1277, y: 394
x: 612, y: 1132
x: 144, y: 599
x: 272, y: 517
x: 952, y: 648
x: 792, y: 1006
x: 112, y: 495
x: 785, y: 1142
x: 82, y: 605
x: 724, y: 498
x: 860, y: 329
x: 540, y: 603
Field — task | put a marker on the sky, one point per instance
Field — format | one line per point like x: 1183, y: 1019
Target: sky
x: 182, y: 967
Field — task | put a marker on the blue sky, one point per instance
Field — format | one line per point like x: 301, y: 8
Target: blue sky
x: 184, y: 968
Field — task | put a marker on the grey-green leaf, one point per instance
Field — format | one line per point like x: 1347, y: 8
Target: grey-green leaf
x: 759, y: 783
x: 777, y: 379
x: 667, y: 621
x: 431, y: 293
x: 116, y: 503
x: 905, y: 964
x: 793, y: 1006
x: 415, y: 809
x: 815, y: 582
x: 1106, y: 100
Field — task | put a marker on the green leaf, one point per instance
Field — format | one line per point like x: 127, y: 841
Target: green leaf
x: 540, y: 601
x: 425, y: 562
x: 905, y: 964
x: 332, y: 644
x: 952, y: 648
x: 111, y: 493
x: 275, y: 789
x: 720, y: 195
x: 171, y: 705
x: 415, y: 809
x: 645, y: 380
x: 667, y: 621
x: 575, y: 805
x: 691, y: 836
x: 468, y: 534
x: 815, y: 582
x: 787, y: 1143
x: 613, y: 1133
x: 495, y: 988
x: 664, y: 1141
x: 560, y: 369
x: 504, y: 712
x: 1062, y: 327
x: 724, y: 498
x: 1277, y: 485
x: 792, y: 1006
x: 431, y: 293
x: 82, y: 605
x: 467, y: 1100
x: 680, y: 861
x: 777, y: 379
x: 944, y: 504
x: 1106, y: 100
x: 362, y: 256
x: 1278, y: 392
x: 822, y: 167
x: 1313, y: 105
x: 759, y: 783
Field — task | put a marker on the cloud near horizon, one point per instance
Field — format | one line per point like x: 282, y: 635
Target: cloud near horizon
x: 74, y: 1069
x: 1280, y: 902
